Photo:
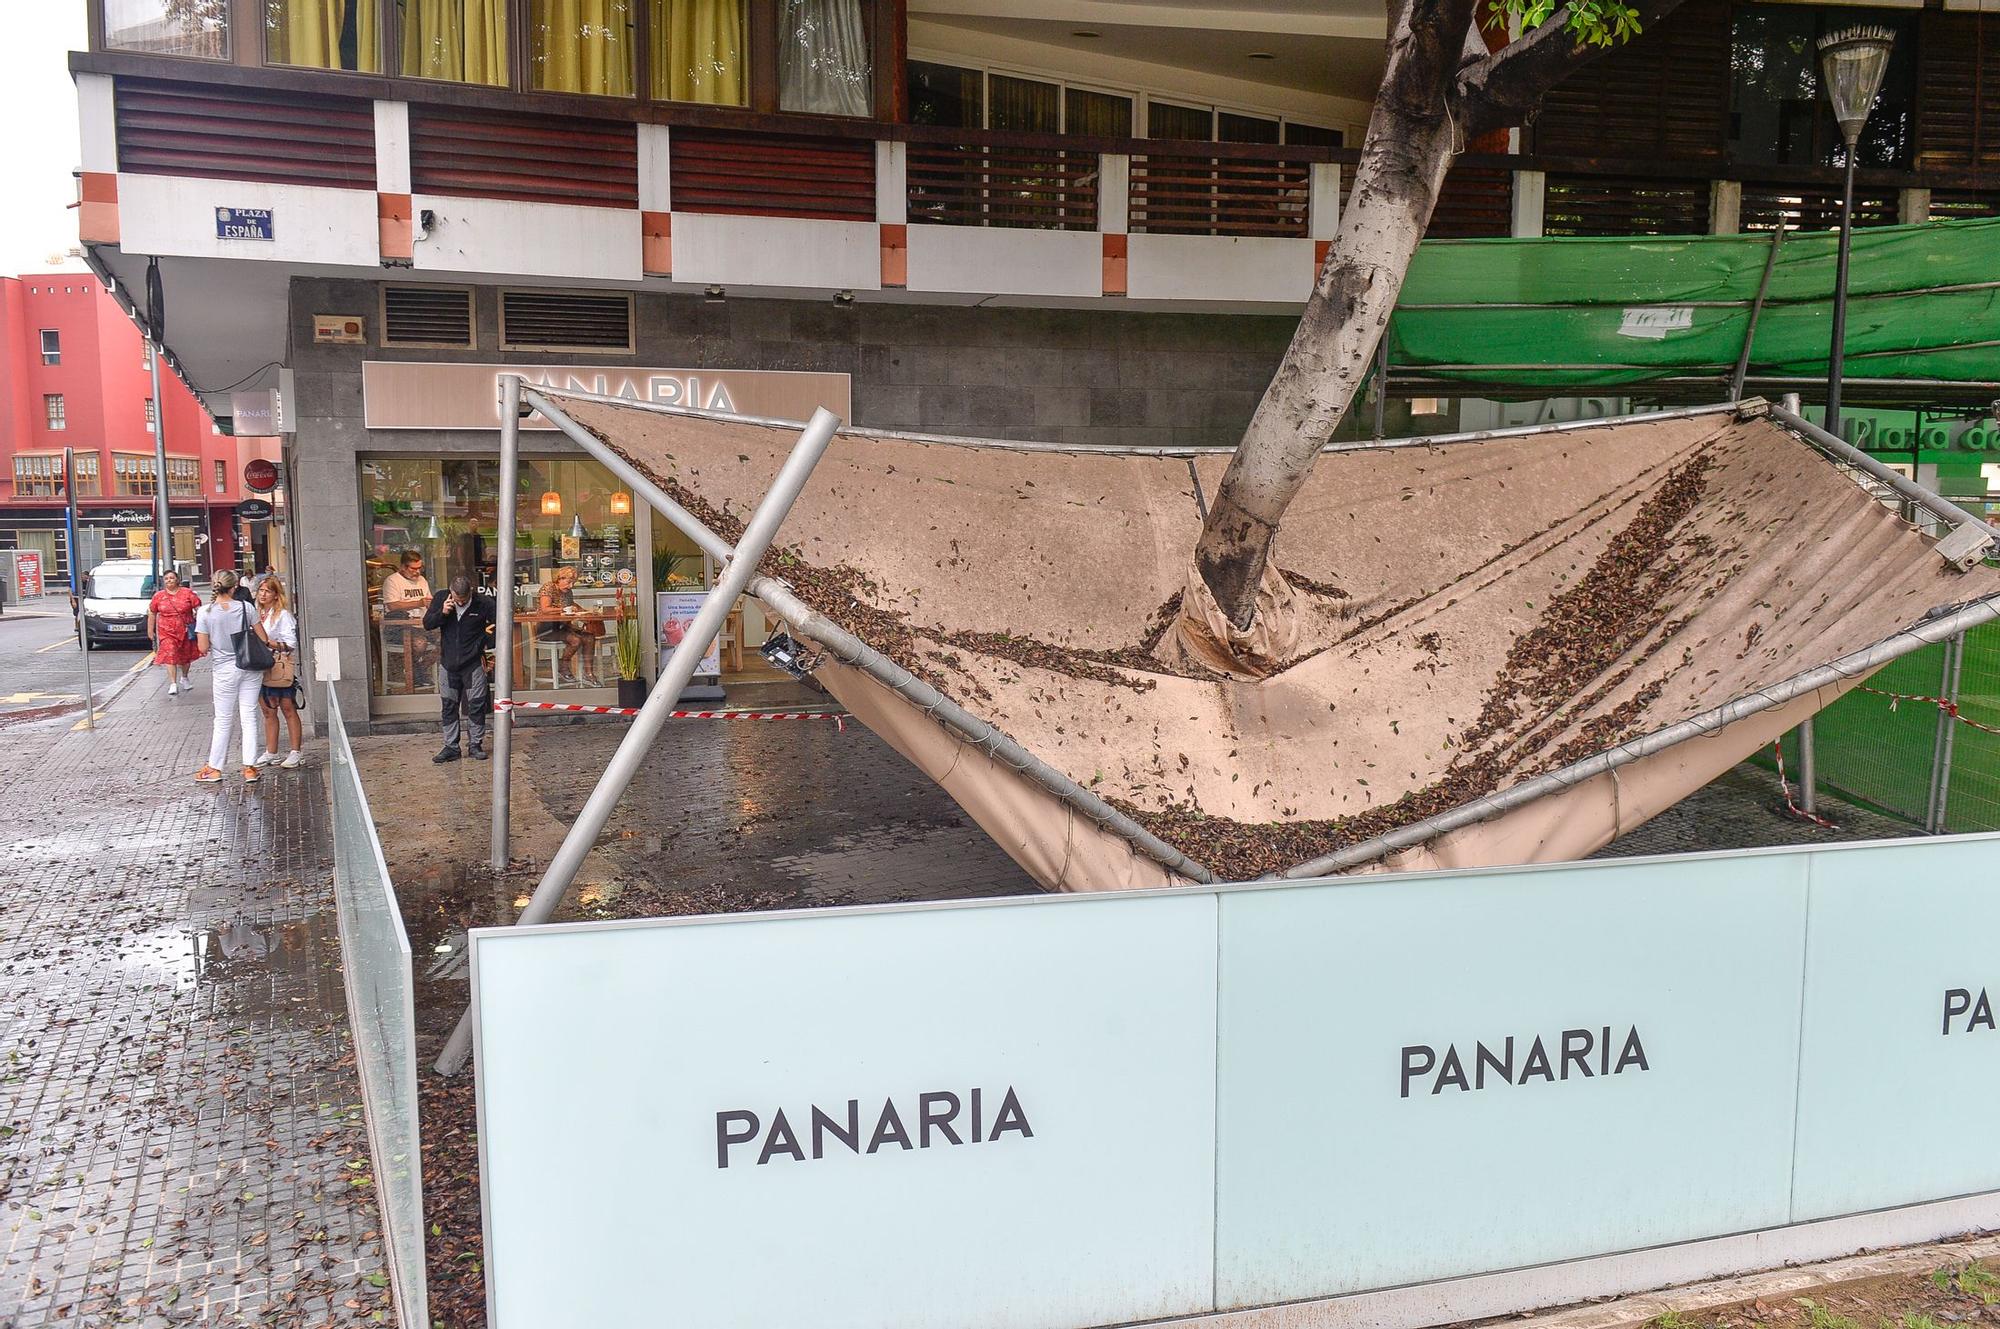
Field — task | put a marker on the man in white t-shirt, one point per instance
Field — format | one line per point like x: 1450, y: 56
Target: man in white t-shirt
x: 406, y: 594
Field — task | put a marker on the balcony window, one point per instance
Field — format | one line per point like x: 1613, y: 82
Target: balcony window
x: 37, y: 476
x: 1777, y: 115
x: 323, y: 34
x: 947, y: 95
x: 460, y: 41
x: 168, y: 27
x: 823, y: 60
x: 581, y: 46
x: 697, y: 51
x: 1026, y: 104
x: 1166, y: 120
x: 1104, y: 114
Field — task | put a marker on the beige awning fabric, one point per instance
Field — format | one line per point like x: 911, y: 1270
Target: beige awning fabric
x: 1473, y: 613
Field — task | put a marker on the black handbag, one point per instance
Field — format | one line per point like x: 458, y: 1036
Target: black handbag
x: 253, y: 653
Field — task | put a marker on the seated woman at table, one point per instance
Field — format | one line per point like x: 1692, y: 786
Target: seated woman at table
x: 577, y: 633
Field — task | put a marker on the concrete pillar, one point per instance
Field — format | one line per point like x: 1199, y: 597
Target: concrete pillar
x: 392, y: 147
x: 1530, y: 199
x: 892, y: 183
x: 1114, y: 193
x: 1725, y: 207
x: 1323, y: 201
x: 1913, y: 205
x: 656, y: 190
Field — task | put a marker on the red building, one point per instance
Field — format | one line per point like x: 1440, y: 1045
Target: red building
x: 74, y: 373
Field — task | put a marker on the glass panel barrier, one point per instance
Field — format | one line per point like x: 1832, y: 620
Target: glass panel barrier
x: 381, y: 1007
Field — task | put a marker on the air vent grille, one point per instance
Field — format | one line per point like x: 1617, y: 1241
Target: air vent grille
x: 427, y: 316
x: 565, y: 320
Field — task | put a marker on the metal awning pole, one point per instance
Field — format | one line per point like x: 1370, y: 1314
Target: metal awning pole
x: 502, y: 690
x: 652, y: 718
x: 76, y: 586
x: 1756, y: 308
x: 1381, y: 383
x: 1941, y: 744
x: 1944, y: 509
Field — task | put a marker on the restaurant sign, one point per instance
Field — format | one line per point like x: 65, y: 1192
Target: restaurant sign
x: 398, y: 394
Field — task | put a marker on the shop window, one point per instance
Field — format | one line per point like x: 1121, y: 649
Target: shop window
x: 823, y: 59
x: 58, y: 415
x: 168, y: 27
x: 460, y: 41
x: 51, y: 346
x: 581, y: 46
x: 427, y: 520
x: 947, y: 95
x: 697, y: 51
x: 323, y: 34
x: 1778, y: 114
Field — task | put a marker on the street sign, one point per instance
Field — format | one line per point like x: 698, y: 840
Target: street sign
x: 260, y: 474
x: 243, y: 224
x: 254, y: 509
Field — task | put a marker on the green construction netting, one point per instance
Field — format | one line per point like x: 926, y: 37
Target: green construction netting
x: 1923, y: 306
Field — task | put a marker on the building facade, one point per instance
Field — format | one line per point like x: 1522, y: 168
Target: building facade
x: 998, y: 220
x: 75, y: 373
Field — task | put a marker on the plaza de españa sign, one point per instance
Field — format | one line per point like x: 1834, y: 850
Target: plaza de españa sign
x: 412, y: 394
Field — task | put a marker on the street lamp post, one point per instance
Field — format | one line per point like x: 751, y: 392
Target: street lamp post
x: 1853, y: 62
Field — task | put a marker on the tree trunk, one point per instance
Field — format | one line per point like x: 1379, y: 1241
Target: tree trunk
x: 1410, y: 144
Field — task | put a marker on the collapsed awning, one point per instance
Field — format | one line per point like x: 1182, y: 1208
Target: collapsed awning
x: 1669, y: 315
x: 1518, y: 645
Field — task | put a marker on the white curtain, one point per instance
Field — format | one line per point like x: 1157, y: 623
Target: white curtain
x: 823, y: 65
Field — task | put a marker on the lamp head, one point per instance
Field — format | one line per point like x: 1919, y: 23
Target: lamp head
x: 1853, y: 62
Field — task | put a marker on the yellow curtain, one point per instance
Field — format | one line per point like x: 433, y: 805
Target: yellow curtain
x: 464, y: 41
x: 582, y: 46
x: 698, y: 52
x: 309, y: 33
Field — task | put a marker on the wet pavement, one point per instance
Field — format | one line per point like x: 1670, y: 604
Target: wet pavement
x: 180, y: 1131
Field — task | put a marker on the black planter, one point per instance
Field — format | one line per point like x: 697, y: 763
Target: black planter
x: 631, y: 693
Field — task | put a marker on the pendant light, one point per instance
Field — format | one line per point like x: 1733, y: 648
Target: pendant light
x: 621, y: 503
x: 552, y: 504
x: 576, y: 526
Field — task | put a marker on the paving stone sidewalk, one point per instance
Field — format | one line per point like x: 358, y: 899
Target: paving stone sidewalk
x: 180, y: 1131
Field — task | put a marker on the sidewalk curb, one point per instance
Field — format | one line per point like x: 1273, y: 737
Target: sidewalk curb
x: 1770, y: 1285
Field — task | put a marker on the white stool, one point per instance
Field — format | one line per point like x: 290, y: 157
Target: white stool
x: 552, y: 652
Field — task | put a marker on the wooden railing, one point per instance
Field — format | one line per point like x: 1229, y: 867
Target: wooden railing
x: 766, y: 175
x: 1624, y: 205
x: 1810, y: 207
x: 990, y: 184
x: 1185, y: 193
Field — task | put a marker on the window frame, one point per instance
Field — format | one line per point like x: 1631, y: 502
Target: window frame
x: 51, y: 338
x: 55, y: 411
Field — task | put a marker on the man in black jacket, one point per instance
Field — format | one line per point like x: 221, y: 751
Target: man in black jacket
x: 462, y: 619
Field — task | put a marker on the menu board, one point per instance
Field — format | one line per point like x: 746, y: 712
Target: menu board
x: 677, y: 611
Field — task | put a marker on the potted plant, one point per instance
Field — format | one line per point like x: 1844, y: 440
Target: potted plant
x: 631, y: 683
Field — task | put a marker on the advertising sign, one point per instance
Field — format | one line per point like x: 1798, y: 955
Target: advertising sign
x: 677, y: 610
x: 27, y: 573
x: 254, y: 509
x: 1087, y: 1110
x: 1424, y: 1077
x: 1901, y: 1050
x: 981, y: 1117
x: 405, y: 394
x: 260, y: 475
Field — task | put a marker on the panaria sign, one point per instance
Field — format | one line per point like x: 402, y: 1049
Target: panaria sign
x: 400, y: 394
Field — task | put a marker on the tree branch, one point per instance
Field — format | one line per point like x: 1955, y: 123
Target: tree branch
x: 1503, y: 89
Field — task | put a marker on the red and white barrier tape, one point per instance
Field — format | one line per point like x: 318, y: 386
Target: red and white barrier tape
x: 839, y: 720
x: 1778, y: 750
x: 1948, y: 707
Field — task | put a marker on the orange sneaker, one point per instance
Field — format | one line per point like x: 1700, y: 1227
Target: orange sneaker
x: 250, y: 775
x: 208, y: 775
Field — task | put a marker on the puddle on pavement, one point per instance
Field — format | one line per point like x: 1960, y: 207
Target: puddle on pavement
x: 189, y: 957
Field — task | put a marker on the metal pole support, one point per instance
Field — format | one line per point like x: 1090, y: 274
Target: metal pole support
x: 652, y: 717
x: 1947, y: 731
x: 502, y: 690
x: 163, y: 520
x: 1808, y: 770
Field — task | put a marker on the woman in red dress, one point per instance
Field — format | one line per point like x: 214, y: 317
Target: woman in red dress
x: 168, y: 619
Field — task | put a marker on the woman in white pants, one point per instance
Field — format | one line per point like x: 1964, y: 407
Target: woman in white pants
x: 221, y: 621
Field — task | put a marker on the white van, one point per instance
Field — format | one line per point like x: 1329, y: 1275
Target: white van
x: 115, y: 597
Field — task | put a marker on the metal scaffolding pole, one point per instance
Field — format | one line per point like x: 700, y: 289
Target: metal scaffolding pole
x: 1941, y: 744
x: 652, y: 718
x: 163, y: 521
x: 502, y: 690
